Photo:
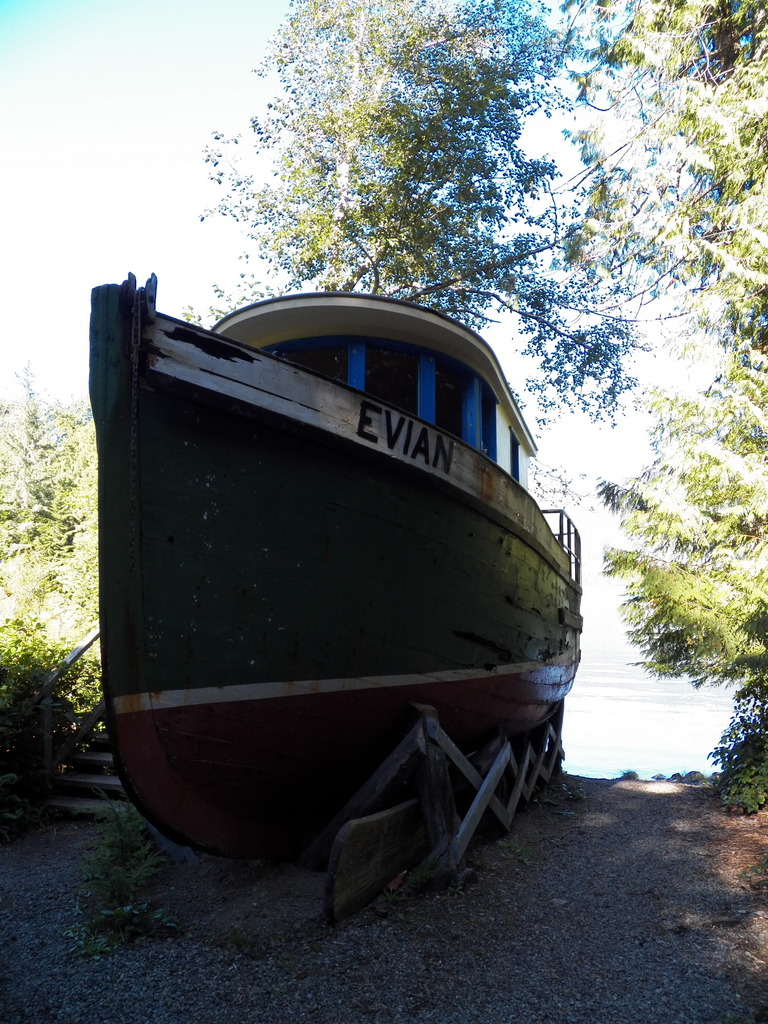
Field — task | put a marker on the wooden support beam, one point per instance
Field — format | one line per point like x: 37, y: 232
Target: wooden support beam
x: 369, y: 852
x: 438, y: 808
x: 484, y: 796
x: 465, y: 766
x: 386, y: 786
x: 520, y: 771
x: 365, y: 847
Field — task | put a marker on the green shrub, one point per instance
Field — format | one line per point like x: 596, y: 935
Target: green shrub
x: 116, y: 873
x: 743, y: 751
x: 27, y: 655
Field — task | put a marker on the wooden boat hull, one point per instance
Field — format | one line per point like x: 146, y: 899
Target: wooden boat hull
x: 276, y: 595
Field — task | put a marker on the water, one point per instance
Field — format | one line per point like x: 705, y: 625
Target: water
x: 618, y: 718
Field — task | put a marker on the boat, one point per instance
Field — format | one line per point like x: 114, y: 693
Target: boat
x: 312, y: 518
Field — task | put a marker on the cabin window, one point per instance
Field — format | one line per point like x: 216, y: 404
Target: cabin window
x: 393, y: 376
x: 439, y: 389
x: 489, y: 422
x: 450, y: 385
x: 330, y: 360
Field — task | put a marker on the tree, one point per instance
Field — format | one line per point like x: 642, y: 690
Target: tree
x: 677, y: 163
x: 699, y: 516
x: 48, y: 517
x: 678, y: 198
x: 399, y: 169
x: 697, y: 573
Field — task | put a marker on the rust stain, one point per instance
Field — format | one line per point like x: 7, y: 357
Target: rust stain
x: 131, y: 703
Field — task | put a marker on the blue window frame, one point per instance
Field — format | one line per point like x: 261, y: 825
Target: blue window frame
x: 447, y: 393
x: 514, y: 447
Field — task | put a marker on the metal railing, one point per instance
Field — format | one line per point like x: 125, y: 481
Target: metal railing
x: 568, y: 537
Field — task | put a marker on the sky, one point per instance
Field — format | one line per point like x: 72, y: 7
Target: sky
x: 105, y: 112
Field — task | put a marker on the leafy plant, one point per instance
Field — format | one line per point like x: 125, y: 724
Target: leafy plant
x: 14, y: 810
x: 27, y: 655
x: 516, y: 850
x: 116, y: 873
x: 758, y: 872
x: 743, y: 752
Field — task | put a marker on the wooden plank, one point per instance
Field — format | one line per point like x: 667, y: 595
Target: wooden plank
x: 554, y: 751
x: 385, y: 785
x: 520, y: 773
x: 484, y: 795
x: 438, y: 808
x: 369, y: 852
x: 92, y: 759
x: 533, y: 775
x: 75, y: 804
x: 82, y: 780
x: 83, y: 729
x: 468, y: 770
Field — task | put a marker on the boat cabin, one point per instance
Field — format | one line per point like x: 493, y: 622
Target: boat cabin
x: 414, y: 359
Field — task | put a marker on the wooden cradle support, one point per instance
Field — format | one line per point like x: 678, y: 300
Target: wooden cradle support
x: 406, y: 815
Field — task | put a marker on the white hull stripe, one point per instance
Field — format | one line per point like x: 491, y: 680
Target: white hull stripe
x: 160, y: 699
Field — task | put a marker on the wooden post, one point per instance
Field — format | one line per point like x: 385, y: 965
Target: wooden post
x: 438, y: 808
x: 46, y: 739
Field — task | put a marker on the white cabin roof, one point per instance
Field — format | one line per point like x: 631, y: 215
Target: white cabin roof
x: 344, y: 314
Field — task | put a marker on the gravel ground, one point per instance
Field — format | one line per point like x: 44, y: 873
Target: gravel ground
x: 610, y: 903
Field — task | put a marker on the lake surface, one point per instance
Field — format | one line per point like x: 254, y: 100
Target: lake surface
x: 618, y: 718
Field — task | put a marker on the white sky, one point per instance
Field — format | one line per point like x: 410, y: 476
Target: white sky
x: 105, y: 110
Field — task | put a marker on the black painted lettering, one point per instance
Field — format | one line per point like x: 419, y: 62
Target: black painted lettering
x: 422, y: 446
x: 393, y: 434
x: 407, y: 442
x: 365, y: 421
x: 441, y: 452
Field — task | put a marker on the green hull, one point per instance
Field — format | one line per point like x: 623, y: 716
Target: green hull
x: 276, y: 594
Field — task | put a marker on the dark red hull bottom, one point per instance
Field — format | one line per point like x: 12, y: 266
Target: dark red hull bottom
x: 259, y: 778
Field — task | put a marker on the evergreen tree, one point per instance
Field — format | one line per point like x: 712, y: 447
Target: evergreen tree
x: 678, y: 202
x: 677, y: 163
x: 48, y: 514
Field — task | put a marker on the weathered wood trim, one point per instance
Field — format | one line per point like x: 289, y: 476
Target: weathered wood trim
x: 179, y: 354
x: 567, y: 618
x: 560, y: 665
